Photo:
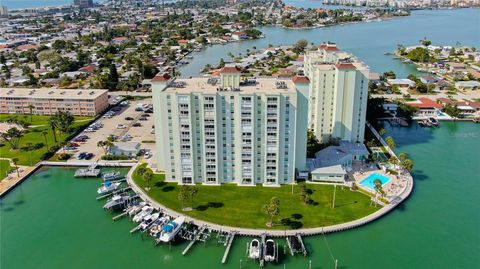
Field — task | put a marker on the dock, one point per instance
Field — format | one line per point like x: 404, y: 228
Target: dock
x: 262, y: 242
x: 295, y: 244
x: 113, y: 193
x: 197, y: 237
x: 119, y: 216
x: 91, y: 171
x: 229, y: 245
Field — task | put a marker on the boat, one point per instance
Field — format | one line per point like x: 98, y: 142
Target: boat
x: 425, y: 123
x: 112, y: 176
x: 134, y: 209
x: 476, y: 120
x: 143, y: 213
x: 108, y: 187
x: 254, y: 251
x: 148, y: 220
x: 156, y: 227
x: 270, y: 251
x: 434, y: 122
x: 171, y: 229
x: 116, y: 201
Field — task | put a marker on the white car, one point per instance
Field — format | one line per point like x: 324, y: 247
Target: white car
x: 121, y: 126
x: 147, y: 155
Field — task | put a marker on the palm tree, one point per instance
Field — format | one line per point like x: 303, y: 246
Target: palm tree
x: 147, y: 176
x: 12, y: 136
x: 390, y: 142
x: 44, y: 133
x: 52, y: 122
x: 15, y: 162
x: 31, y: 107
x: 378, y: 189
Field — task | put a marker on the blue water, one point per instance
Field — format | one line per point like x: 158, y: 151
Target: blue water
x: 369, y: 181
x: 19, y: 4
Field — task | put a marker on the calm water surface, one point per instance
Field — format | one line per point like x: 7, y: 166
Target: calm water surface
x: 367, y: 41
x: 56, y: 220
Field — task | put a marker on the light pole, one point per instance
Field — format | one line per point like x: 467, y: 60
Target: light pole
x: 334, y: 190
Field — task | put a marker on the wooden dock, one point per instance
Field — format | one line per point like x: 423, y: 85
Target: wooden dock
x: 229, y: 245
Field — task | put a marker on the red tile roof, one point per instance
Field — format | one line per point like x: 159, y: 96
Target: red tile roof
x: 26, y: 47
x: 88, y: 68
x: 230, y: 69
x: 426, y: 103
x: 300, y: 79
x: 161, y: 78
x: 329, y: 47
x: 345, y: 66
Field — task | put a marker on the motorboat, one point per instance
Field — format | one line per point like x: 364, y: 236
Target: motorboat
x: 112, y: 176
x: 134, y: 209
x: 148, y: 220
x: 146, y: 210
x: 255, y: 249
x: 433, y: 121
x: 156, y: 227
x: 116, y: 201
x: 171, y: 229
x: 108, y: 187
x: 270, y: 251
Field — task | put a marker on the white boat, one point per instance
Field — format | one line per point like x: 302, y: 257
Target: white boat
x: 112, y: 176
x: 108, y: 187
x: 116, y: 201
x: 156, y: 227
x: 148, y: 220
x: 134, y: 209
x: 254, y: 251
x: 171, y: 229
x: 270, y: 251
x: 143, y: 213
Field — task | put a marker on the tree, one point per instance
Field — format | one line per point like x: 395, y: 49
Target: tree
x: 186, y: 194
x: 147, y: 176
x: 44, y: 133
x: 31, y: 107
x: 419, y: 55
x: 62, y: 121
x: 300, y: 46
x: 52, y: 122
x: 304, y: 195
x: 313, y: 145
x: 407, y: 164
x: 378, y: 189
x: 390, y: 142
x: 15, y: 163
x: 272, y: 209
x: 425, y: 42
x: 12, y: 136
x: 105, y: 145
x: 382, y: 132
x: 141, y: 170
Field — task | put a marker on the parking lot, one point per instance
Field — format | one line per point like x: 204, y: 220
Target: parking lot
x: 129, y: 122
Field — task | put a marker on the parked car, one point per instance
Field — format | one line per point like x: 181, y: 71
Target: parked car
x: 121, y: 126
x: 147, y: 155
x: 128, y: 118
x: 143, y: 118
x: 145, y: 115
x: 116, y: 109
x: 137, y: 124
x: 89, y: 155
x: 139, y: 109
x: 81, y: 155
x: 124, y: 103
x: 149, y: 111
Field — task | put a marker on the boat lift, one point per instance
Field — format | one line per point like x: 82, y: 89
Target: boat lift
x: 228, y: 243
x: 295, y: 244
x: 113, y: 193
x: 201, y: 234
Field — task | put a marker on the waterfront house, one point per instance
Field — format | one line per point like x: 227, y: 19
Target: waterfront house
x: 402, y: 82
x: 428, y: 79
x: 426, y: 108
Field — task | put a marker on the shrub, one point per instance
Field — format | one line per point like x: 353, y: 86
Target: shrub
x: 110, y: 157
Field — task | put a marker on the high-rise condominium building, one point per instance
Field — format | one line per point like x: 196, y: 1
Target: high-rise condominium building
x: 338, y: 94
x: 83, y: 3
x: 214, y: 130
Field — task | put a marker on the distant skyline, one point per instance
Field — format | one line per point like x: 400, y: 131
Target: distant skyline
x: 19, y: 4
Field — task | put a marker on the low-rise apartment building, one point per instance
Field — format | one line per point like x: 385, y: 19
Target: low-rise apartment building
x: 45, y: 101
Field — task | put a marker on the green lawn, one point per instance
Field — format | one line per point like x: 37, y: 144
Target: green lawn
x: 35, y: 120
x: 241, y: 206
x: 4, y: 168
x: 35, y: 136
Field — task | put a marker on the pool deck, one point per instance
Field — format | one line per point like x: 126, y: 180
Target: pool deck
x: 393, y: 188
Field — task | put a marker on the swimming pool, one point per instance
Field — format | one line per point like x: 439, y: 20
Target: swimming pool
x: 369, y: 181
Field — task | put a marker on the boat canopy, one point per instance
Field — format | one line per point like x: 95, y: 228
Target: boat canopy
x: 169, y: 227
x: 108, y: 183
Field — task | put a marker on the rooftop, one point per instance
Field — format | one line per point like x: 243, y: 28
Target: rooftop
x: 213, y: 85
x: 51, y: 93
